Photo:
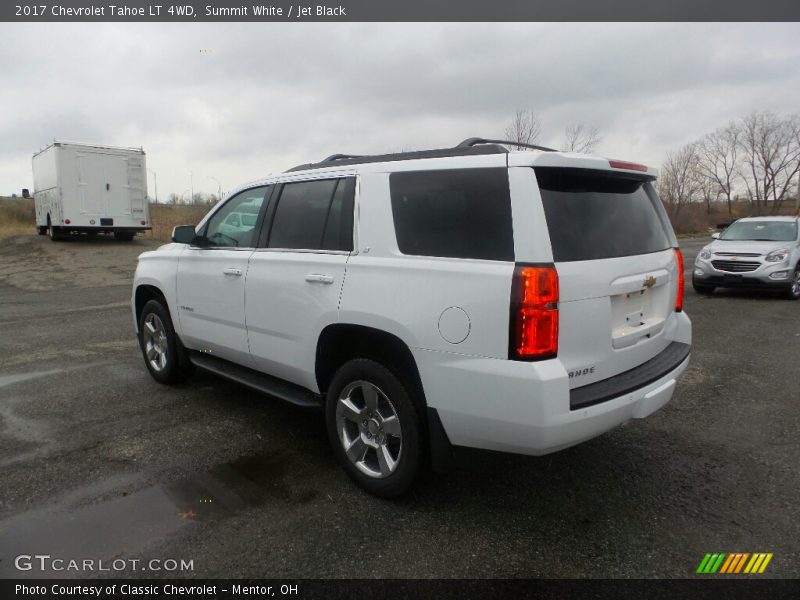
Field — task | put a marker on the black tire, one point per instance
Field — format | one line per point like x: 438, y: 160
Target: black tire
x: 153, y: 320
x: 55, y: 233
x: 703, y: 289
x: 793, y: 289
x: 123, y: 236
x: 406, y: 450
x: 41, y: 230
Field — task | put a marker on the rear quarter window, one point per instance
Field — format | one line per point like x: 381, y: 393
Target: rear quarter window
x: 457, y: 213
x: 594, y: 214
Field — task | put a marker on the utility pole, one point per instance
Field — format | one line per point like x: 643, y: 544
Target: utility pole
x: 219, y: 187
x: 155, y: 182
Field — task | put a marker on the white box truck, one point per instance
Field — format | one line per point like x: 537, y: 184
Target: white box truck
x: 84, y: 188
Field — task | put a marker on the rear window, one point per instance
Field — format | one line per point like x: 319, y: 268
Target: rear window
x: 458, y: 213
x: 593, y: 215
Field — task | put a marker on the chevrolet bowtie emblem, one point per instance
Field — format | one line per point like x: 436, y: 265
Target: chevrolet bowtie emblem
x: 649, y: 282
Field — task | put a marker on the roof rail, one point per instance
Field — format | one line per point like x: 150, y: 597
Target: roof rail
x: 474, y: 141
x: 337, y: 160
x: 334, y: 157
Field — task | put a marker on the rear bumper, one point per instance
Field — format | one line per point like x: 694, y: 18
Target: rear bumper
x: 527, y: 408
x: 99, y: 229
x: 654, y: 369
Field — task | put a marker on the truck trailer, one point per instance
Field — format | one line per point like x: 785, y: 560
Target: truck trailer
x: 85, y: 188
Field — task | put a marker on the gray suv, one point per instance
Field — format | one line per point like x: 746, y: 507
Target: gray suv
x: 755, y: 252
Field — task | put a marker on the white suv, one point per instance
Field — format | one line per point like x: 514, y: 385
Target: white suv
x: 469, y: 296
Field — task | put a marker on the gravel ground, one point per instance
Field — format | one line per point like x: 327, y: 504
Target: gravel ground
x: 97, y: 460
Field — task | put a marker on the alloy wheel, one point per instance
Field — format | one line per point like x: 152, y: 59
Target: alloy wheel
x: 369, y: 429
x: 154, y: 336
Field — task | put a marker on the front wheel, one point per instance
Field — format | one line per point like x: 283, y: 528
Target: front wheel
x: 793, y: 292
x: 158, y: 342
x: 374, y: 427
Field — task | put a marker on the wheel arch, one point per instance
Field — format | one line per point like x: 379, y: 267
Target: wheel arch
x: 143, y: 294
x: 341, y: 342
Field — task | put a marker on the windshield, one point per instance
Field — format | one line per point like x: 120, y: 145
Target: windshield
x: 764, y: 231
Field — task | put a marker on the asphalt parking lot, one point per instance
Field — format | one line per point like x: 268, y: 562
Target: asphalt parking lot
x: 97, y: 460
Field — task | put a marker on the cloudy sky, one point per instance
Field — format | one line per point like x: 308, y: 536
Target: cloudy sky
x: 234, y: 102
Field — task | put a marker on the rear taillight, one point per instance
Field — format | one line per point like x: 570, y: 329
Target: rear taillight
x: 67, y: 221
x: 679, y: 292
x: 534, y: 313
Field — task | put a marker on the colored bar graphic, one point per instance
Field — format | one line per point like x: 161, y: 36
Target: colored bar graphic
x: 711, y: 563
x: 765, y: 563
x: 742, y: 560
x: 703, y: 563
x: 734, y: 562
x: 727, y: 564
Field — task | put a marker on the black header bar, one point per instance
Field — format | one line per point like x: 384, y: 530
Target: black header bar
x: 398, y: 10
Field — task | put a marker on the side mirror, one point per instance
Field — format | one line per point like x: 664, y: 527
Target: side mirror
x: 183, y: 234
x: 26, y: 193
x: 715, y: 236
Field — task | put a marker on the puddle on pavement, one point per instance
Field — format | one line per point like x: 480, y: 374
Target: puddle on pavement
x: 124, y: 525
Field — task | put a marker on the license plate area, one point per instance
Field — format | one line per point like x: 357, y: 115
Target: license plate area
x: 732, y: 278
x: 107, y: 222
x: 637, y: 315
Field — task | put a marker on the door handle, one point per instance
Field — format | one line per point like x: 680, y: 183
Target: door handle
x: 316, y: 278
x: 232, y: 271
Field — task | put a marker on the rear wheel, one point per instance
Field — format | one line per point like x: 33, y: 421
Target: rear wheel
x: 703, y: 289
x: 158, y: 342
x: 41, y: 230
x: 374, y: 427
x: 55, y: 232
x: 793, y: 292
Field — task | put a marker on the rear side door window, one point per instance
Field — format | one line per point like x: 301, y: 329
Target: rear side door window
x: 314, y: 215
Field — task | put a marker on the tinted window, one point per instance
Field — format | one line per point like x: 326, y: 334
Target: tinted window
x: 463, y: 213
x: 593, y: 215
x: 233, y: 225
x: 338, y: 233
x: 313, y: 215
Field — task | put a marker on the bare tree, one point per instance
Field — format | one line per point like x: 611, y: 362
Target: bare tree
x: 707, y: 189
x: 581, y: 138
x: 679, y: 183
x: 770, y: 147
x: 718, y: 160
x: 524, y: 128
